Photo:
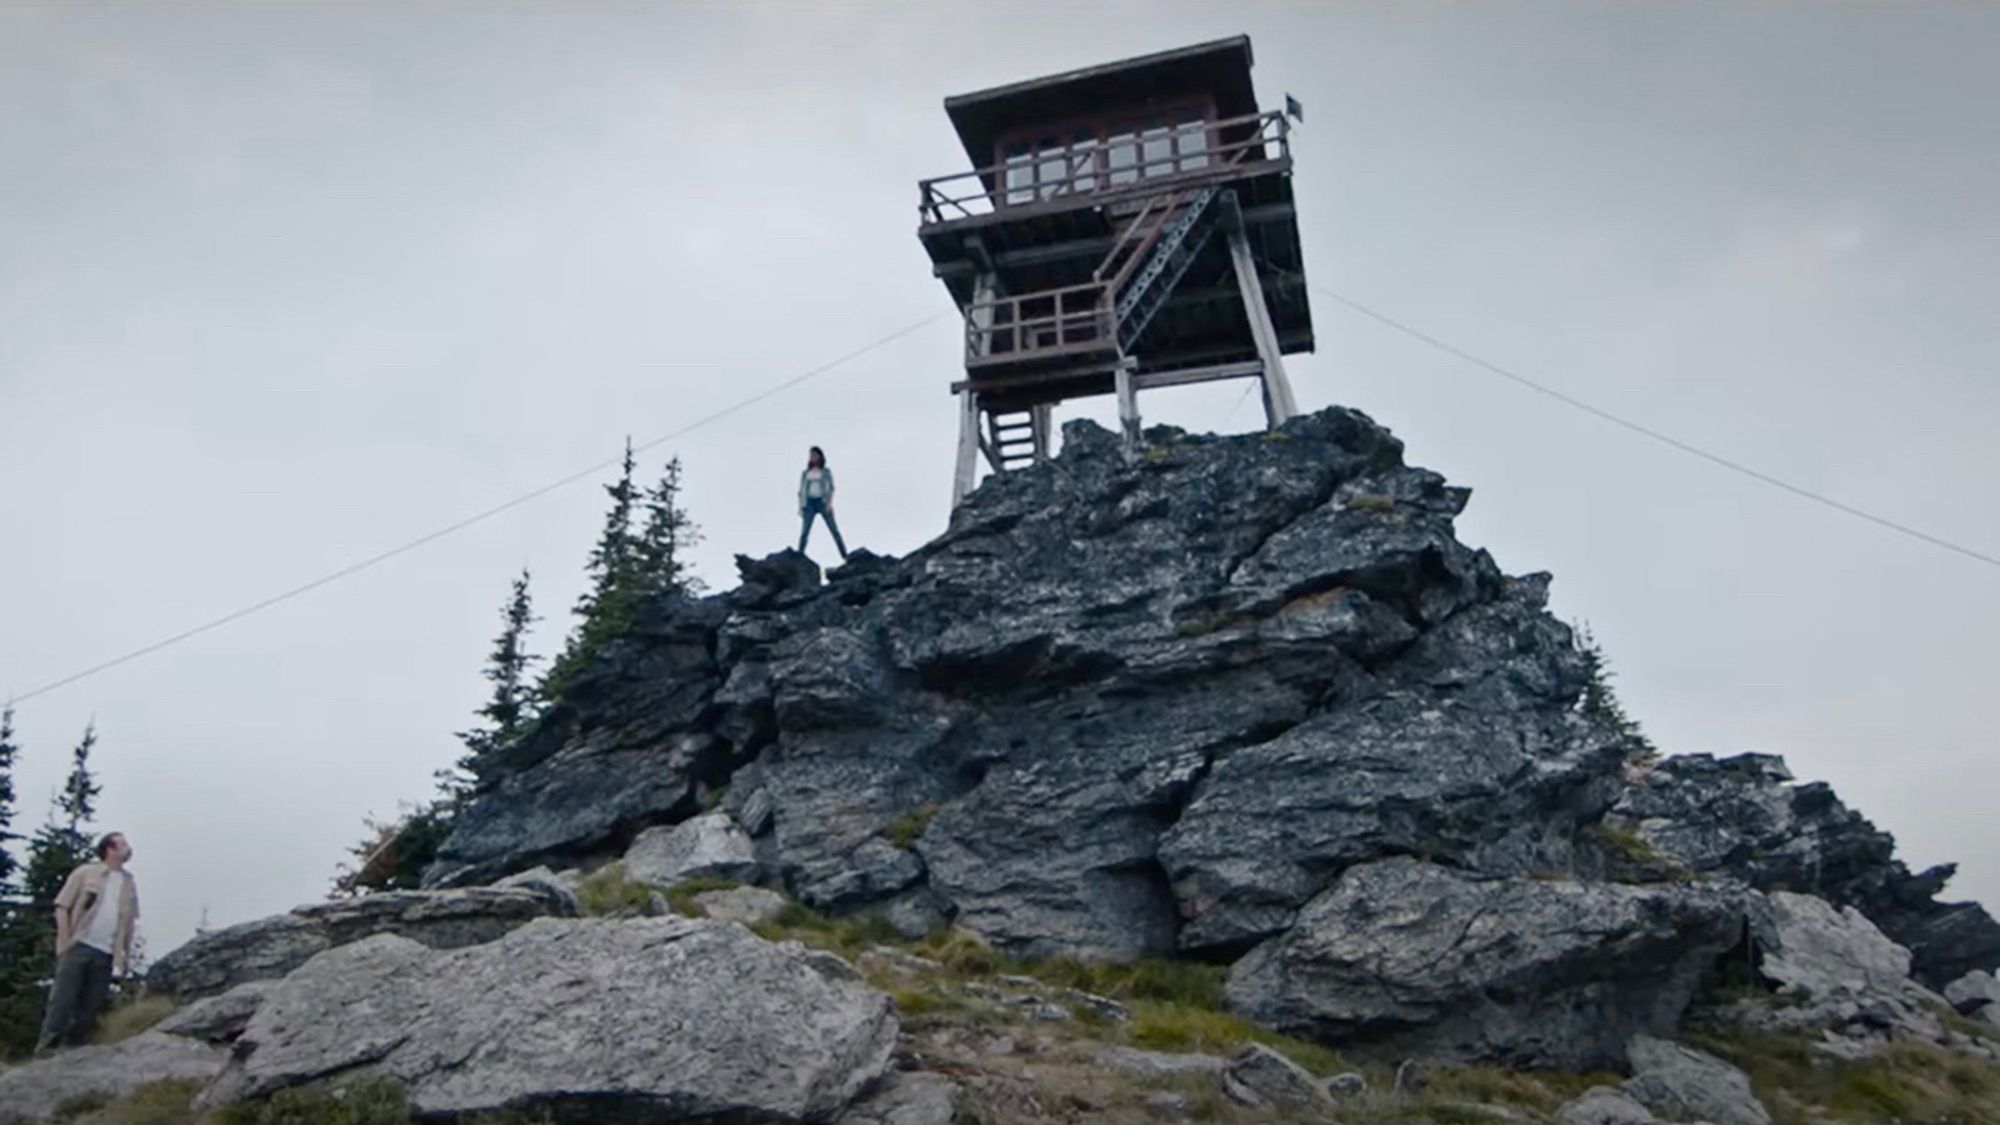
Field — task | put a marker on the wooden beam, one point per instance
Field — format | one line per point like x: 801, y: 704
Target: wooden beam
x: 1279, y: 406
x: 968, y: 447
x: 1157, y: 379
x: 1128, y: 405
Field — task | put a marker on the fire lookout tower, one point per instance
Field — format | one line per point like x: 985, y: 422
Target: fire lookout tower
x: 1128, y: 226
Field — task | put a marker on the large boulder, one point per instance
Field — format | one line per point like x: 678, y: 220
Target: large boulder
x: 1530, y: 972
x: 709, y: 846
x: 1684, y: 1084
x: 219, y: 960
x: 654, y: 1018
x: 1809, y: 947
x: 35, y: 1091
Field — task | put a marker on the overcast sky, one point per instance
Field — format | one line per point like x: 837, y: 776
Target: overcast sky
x: 284, y: 285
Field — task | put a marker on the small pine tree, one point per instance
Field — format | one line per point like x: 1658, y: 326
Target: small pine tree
x: 1600, y: 702
x: 27, y: 939
x: 611, y: 562
x: 617, y: 584
x: 661, y: 550
x: 10, y: 867
x: 64, y: 842
x: 511, y: 707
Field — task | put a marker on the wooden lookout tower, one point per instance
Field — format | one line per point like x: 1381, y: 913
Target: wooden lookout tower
x: 1127, y: 226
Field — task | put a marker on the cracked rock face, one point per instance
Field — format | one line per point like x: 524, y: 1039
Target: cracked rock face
x: 653, y: 1019
x: 1529, y: 972
x: 1142, y: 705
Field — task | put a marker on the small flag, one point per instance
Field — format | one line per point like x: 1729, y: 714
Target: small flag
x: 1296, y: 111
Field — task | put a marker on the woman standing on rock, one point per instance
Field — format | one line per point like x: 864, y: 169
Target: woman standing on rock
x: 816, y: 499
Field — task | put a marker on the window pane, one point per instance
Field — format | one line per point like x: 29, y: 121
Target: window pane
x: 1193, y: 145
x: 1083, y: 160
x: 1020, y: 178
x: 1121, y: 159
x: 1158, y: 150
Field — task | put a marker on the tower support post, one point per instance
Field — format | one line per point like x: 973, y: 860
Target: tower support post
x: 1279, y: 406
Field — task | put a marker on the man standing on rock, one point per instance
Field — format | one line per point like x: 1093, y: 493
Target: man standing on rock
x: 95, y: 913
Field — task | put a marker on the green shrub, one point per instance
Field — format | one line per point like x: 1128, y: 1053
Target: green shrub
x: 376, y: 1101
x: 1371, y: 502
x: 607, y: 892
x: 680, y: 896
x: 905, y: 829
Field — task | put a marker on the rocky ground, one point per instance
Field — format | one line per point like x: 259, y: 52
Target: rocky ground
x: 1217, y: 781
x: 650, y: 1007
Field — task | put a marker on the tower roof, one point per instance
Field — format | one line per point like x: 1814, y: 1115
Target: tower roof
x: 1219, y: 69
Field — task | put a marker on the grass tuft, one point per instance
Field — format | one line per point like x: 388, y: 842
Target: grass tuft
x: 609, y: 893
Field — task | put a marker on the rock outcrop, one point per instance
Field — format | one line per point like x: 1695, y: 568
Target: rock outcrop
x: 1743, y: 818
x: 1198, y: 700
x: 1550, y: 973
x: 654, y: 1019
x: 269, y: 948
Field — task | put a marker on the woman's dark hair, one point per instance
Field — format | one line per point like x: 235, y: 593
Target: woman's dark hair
x: 816, y: 451
x: 104, y: 845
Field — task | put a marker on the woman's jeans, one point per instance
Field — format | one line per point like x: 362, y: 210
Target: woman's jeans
x: 817, y: 507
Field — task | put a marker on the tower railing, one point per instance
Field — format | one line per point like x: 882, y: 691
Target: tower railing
x: 1076, y: 321
x: 1101, y: 171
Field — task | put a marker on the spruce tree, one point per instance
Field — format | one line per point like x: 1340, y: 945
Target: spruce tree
x: 27, y: 939
x: 1600, y: 702
x: 605, y: 610
x: 64, y: 842
x: 10, y: 867
x: 510, y: 709
x: 611, y: 561
x: 667, y: 537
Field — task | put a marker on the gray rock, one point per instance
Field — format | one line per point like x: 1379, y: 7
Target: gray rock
x: 748, y: 905
x: 1103, y: 1006
x: 1685, y: 1084
x: 1259, y: 1077
x: 1345, y: 1085
x: 1743, y: 818
x: 906, y: 1098
x: 1973, y: 991
x: 33, y: 1091
x: 1603, y: 1105
x: 641, y: 1017
x: 1807, y: 945
x: 219, y: 960
x: 1157, y: 1064
x: 560, y: 890
x: 221, y: 1018
x: 709, y: 846
x: 1539, y: 973
x: 1167, y: 1105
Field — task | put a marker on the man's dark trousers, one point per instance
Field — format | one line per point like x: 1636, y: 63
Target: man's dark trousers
x: 83, y: 980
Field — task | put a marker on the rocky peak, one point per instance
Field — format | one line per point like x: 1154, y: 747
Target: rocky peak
x: 1162, y: 704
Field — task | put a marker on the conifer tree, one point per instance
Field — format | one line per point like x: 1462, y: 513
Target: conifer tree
x: 1600, y: 702
x: 611, y: 561
x: 64, y: 841
x: 10, y: 867
x: 616, y: 584
x: 510, y: 709
x: 27, y: 937
x: 669, y: 534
